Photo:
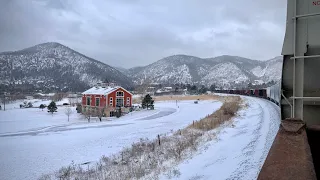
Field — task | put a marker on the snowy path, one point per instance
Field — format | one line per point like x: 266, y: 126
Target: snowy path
x: 26, y: 154
x: 85, y: 125
x: 239, y: 152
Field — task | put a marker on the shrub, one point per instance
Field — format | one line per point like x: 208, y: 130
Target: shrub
x: 42, y: 106
x: 30, y: 104
x: 118, y: 113
x: 230, y: 108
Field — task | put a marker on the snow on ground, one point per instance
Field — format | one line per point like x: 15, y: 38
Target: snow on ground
x: 240, y: 151
x: 34, y: 119
x: 15, y: 119
x: 47, y: 142
x: 137, y: 95
x: 35, y: 103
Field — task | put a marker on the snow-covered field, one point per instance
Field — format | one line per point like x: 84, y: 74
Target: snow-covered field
x: 240, y: 151
x: 34, y: 142
x: 35, y: 103
x: 15, y: 119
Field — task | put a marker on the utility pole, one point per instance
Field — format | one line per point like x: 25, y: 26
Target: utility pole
x: 4, y: 101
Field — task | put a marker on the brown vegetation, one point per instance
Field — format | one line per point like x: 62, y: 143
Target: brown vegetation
x: 229, y: 109
x: 138, y: 100
x: 186, y: 98
x: 59, y: 96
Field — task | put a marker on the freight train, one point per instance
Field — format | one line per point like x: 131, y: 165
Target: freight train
x: 272, y: 93
x: 295, y: 152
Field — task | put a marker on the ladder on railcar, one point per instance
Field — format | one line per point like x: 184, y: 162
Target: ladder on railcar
x: 298, y: 97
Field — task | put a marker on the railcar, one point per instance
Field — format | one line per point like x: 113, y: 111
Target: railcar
x: 295, y: 153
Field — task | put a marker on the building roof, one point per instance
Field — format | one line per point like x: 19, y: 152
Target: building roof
x: 103, y: 90
x: 50, y: 94
x: 72, y: 95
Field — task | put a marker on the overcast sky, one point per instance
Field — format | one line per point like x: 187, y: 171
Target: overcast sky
x: 131, y: 33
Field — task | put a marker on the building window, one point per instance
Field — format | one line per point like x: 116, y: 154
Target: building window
x: 128, y: 101
x: 88, y: 101
x: 97, y: 101
x: 111, y: 102
x: 120, y: 93
x: 119, y: 102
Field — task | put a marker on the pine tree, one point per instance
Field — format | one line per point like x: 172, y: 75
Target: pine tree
x: 203, y: 89
x: 52, y: 107
x: 147, y: 102
x: 213, y: 87
x: 176, y: 89
x: 188, y: 87
x: 194, y: 88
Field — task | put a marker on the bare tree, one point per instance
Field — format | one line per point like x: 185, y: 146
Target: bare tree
x: 68, y: 112
x: 58, y: 96
x: 87, y: 114
x: 70, y: 101
x: 77, y: 100
x: 143, y: 88
x: 99, y: 112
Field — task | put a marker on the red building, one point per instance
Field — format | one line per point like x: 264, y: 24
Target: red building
x: 108, y: 96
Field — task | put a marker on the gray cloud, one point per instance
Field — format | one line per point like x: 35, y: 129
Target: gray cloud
x: 138, y: 32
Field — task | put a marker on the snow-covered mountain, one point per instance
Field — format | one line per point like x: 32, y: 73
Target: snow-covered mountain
x: 56, y: 66
x: 221, y: 70
x: 122, y: 70
x: 271, y: 69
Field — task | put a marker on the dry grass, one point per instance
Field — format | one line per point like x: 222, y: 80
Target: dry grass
x: 138, y: 100
x: 143, y: 158
x: 149, y: 158
x: 228, y: 110
x: 186, y: 98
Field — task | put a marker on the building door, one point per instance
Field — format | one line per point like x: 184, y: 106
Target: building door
x: 119, y: 102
